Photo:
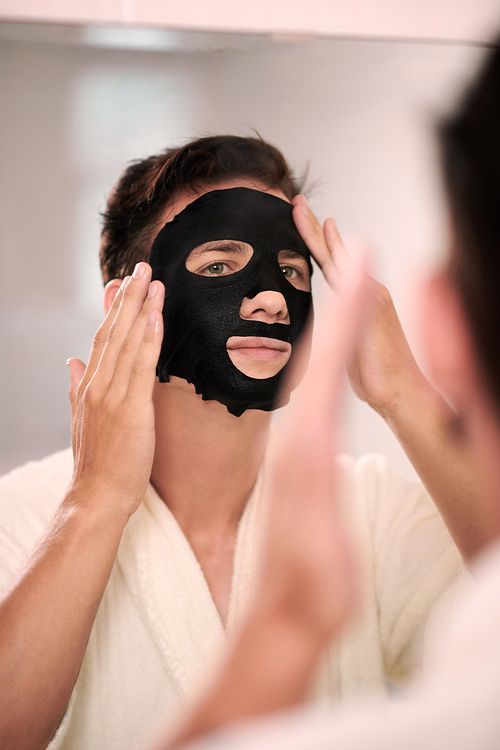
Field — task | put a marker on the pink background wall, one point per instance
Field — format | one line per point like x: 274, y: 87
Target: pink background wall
x: 458, y: 20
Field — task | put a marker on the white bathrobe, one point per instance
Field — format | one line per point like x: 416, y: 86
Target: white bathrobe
x: 453, y: 706
x: 158, y: 631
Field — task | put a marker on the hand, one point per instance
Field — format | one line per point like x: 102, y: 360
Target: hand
x: 111, y: 399
x: 309, y: 584
x: 48, y: 609
x: 383, y: 372
x: 382, y: 369
x: 310, y: 575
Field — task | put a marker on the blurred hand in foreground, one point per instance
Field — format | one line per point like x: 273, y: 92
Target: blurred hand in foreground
x: 309, y: 584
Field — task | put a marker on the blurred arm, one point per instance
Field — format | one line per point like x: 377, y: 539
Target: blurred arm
x: 384, y: 373
x: 309, y: 585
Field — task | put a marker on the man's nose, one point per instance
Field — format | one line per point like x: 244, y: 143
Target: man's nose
x: 267, y: 307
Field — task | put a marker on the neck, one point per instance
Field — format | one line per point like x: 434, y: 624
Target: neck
x: 206, y: 460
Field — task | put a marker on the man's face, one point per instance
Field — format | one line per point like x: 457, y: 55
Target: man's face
x: 237, y: 278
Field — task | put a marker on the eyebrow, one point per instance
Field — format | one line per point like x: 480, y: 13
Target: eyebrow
x: 221, y: 246
x: 292, y: 254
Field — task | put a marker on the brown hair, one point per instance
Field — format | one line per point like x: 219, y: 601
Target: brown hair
x: 140, y: 197
x: 470, y: 143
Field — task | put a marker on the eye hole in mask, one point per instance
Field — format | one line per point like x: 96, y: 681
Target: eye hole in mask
x: 295, y: 269
x: 219, y: 258
x: 225, y: 257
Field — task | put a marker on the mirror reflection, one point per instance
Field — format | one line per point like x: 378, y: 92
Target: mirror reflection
x: 354, y: 117
x: 171, y: 484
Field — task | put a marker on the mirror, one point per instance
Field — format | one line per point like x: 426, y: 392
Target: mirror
x: 79, y: 102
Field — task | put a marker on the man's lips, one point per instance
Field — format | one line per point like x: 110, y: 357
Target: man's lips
x: 258, y: 347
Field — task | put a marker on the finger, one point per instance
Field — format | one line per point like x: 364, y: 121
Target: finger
x: 337, y: 335
x: 143, y: 374
x: 130, y: 351
x: 336, y: 247
x: 317, y: 401
x: 312, y: 234
x: 76, y: 373
x: 101, y: 337
x: 131, y: 304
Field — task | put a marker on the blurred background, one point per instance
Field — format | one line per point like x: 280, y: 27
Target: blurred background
x: 77, y: 102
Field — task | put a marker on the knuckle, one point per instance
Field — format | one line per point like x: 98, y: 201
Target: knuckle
x: 129, y: 290
x: 128, y: 347
x: 99, y: 338
x: 109, y: 403
x: 140, y: 369
x: 87, y: 396
x: 90, y: 397
x: 149, y: 334
x: 112, y: 331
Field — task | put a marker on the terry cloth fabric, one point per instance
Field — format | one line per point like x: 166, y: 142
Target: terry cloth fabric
x: 158, y: 632
x: 453, y: 706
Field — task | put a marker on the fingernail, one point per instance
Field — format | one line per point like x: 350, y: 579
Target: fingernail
x: 304, y: 210
x: 151, y: 317
x: 153, y: 288
x: 139, y: 271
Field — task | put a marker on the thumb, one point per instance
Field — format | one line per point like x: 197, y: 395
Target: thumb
x: 76, y: 373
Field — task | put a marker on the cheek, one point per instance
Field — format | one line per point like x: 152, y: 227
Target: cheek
x: 214, y: 311
x: 300, y: 310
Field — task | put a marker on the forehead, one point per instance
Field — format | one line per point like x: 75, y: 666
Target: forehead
x: 262, y: 220
x: 184, y: 198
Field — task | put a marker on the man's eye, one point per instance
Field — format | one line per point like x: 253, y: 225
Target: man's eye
x: 291, y: 272
x: 216, y: 269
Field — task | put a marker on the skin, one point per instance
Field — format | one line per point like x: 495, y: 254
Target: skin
x: 127, y: 430
x: 309, y: 583
x: 47, y: 612
x: 299, y: 606
x: 257, y: 357
x: 205, y: 459
x: 383, y: 372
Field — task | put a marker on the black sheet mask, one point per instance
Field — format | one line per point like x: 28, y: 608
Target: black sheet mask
x: 201, y: 313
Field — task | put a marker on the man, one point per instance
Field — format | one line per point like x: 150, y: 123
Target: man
x: 119, y: 589
x: 298, y: 607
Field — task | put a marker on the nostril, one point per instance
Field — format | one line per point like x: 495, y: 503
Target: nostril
x: 267, y: 306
